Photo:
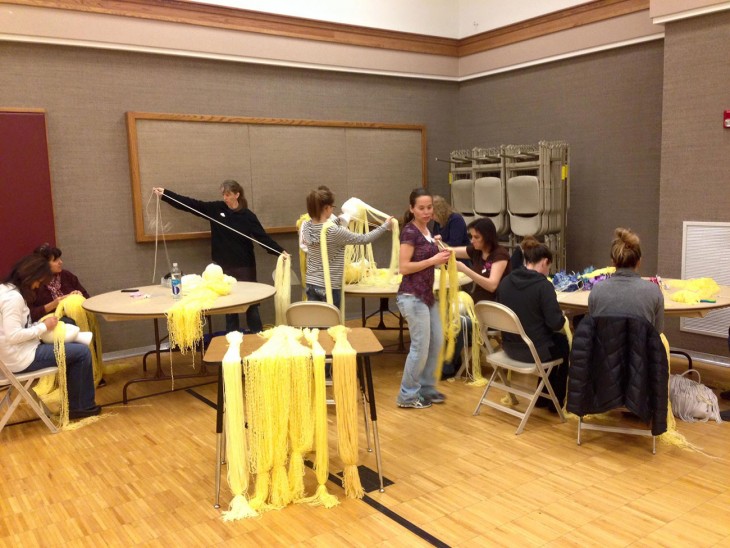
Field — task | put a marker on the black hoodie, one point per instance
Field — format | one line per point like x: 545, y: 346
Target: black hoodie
x: 532, y: 297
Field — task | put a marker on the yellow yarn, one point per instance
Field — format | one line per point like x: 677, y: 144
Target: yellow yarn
x: 326, y: 269
x: 236, y: 450
x: 301, y: 424
x: 72, y: 306
x: 59, y: 351
x: 282, y: 284
x: 344, y: 375
x: 321, y: 464
x: 694, y: 290
x: 467, y: 306
x: 448, y: 311
x: 185, y: 316
x: 672, y: 435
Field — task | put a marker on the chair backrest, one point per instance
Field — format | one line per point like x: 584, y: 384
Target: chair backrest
x: 313, y: 314
x: 493, y: 315
x: 462, y: 196
x: 488, y: 196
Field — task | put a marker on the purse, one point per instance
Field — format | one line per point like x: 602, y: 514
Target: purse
x: 691, y: 400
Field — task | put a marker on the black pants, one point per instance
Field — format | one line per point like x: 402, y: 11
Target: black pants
x: 253, y: 318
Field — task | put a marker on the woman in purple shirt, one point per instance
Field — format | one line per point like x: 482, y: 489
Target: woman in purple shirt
x: 418, y: 257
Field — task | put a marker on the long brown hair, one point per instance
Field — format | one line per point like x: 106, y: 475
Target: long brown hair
x: 29, y: 269
x: 415, y: 195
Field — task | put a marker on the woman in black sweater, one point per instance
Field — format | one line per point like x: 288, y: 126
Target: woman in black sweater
x: 232, y: 252
x: 531, y: 296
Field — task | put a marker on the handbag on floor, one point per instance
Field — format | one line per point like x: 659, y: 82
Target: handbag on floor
x: 691, y: 400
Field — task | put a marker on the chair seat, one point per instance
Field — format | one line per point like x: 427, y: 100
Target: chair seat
x: 503, y: 360
x: 30, y: 375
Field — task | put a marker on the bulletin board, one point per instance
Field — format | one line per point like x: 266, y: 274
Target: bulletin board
x: 276, y: 161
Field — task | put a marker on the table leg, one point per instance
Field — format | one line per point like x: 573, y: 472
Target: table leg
x: 374, y: 418
x: 218, y: 437
x: 362, y: 309
x: 363, y: 395
x: 159, y: 375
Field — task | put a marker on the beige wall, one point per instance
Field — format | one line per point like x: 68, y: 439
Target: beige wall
x: 86, y: 93
x: 695, y: 177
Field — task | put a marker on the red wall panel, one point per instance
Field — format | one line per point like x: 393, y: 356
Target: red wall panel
x: 26, y: 203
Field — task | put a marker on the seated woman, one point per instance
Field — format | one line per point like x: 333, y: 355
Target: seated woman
x: 20, y: 347
x: 625, y: 293
x: 61, y: 284
x: 320, y: 205
x: 450, y: 225
x: 490, y: 262
x: 531, y: 296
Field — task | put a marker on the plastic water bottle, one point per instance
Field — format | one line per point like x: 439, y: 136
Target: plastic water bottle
x: 175, y: 283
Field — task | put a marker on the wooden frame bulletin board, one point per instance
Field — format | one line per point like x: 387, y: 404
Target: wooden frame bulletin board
x: 276, y: 161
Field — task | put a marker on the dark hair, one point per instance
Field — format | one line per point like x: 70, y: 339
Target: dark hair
x: 415, y: 195
x: 625, y: 248
x: 229, y: 185
x: 488, y: 231
x: 535, y: 251
x: 317, y: 200
x: 29, y: 269
x: 48, y: 251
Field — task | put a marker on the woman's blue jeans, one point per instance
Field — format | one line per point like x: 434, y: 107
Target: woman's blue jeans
x: 424, y: 326
x: 79, y: 373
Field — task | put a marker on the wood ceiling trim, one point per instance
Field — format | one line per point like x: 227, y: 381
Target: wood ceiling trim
x: 180, y: 11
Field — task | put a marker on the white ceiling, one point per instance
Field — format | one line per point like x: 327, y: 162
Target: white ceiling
x: 445, y: 18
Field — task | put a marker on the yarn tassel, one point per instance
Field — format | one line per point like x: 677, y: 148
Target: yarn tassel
x: 236, y: 450
x: 301, y: 425
x: 344, y: 375
x: 282, y: 283
x: 321, y: 463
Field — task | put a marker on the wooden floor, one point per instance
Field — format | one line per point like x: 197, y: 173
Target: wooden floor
x: 144, y: 476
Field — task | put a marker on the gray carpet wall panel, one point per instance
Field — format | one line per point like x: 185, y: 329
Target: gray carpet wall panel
x: 695, y: 175
x: 86, y: 94
x: 608, y: 107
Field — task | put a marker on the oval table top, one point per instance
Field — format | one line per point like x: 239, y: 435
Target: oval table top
x: 578, y: 302
x: 155, y: 300
x: 390, y: 290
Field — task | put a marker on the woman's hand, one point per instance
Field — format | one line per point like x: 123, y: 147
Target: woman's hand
x: 461, y: 267
x: 389, y: 223
x: 442, y: 257
x: 158, y: 190
x: 51, y: 323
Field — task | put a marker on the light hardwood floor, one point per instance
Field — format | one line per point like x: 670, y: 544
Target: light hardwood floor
x: 144, y: 476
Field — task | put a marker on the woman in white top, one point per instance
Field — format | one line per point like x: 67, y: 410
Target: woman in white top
x: 20, y: 347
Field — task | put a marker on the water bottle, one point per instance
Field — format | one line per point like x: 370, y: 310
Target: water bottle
x: 175, y: 283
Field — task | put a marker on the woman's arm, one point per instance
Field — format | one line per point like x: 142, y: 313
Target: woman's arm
x: 460, y: 252
x: 13, y: 317
x: 341, y: 236
x: 260, y: 235
x: 178, y: 201
x: 489, y: 283
x: 553, y: 315
x: 406, y: 266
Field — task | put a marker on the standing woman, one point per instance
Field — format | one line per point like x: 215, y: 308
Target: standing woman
x: 20, y: 347
x: 626, y: 293
x: 417, y: 304
x: 320, y: 206
x: 531, y: 296
x: 62, y: 284
x: 232, y: 252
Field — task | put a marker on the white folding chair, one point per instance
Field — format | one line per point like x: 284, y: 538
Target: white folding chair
x: 497, y: 316
x: 21, y: 383
x: 313, y: 314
